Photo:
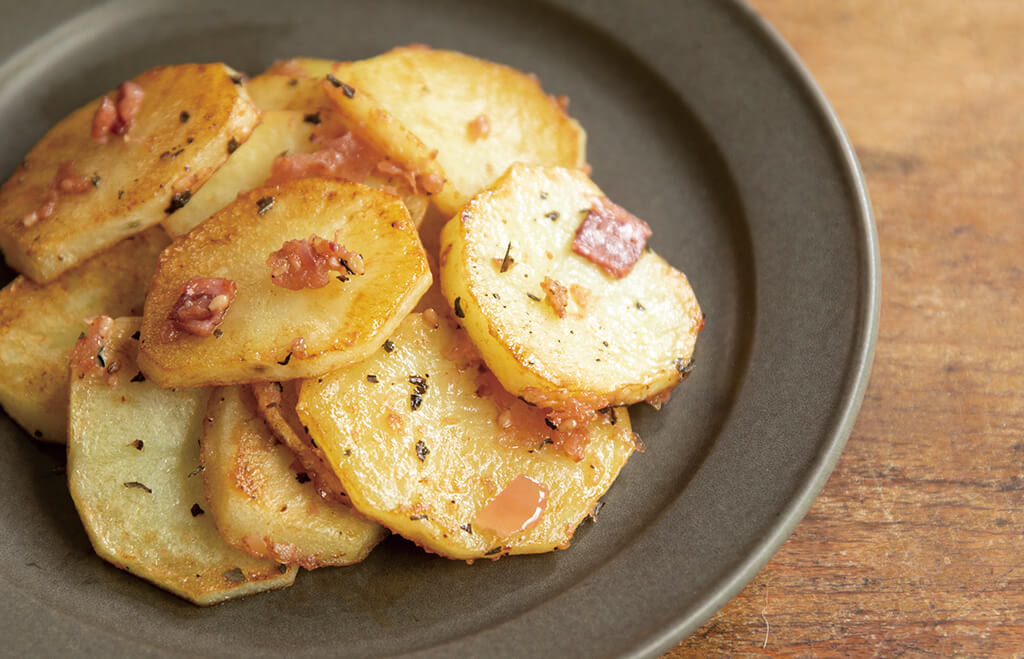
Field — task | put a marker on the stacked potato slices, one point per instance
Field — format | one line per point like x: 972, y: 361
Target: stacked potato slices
x: 383, y: 296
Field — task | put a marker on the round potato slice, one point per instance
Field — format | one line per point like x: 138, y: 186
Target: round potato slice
x: 191, y: 117
x: 274, y: 333
x: 471, y: 116
x: 423, y: 448
x: 261, y: 504
x: 551, y: 324
x: 133, y: 472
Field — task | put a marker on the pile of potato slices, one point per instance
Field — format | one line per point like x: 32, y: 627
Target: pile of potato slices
x: 276, y: 318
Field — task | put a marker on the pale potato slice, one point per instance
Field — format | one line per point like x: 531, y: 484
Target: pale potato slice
x: 39, y: 324
x: 280, y: 132
x: 248, y: 167
x: 479, y: 117
x: 309, y: 67
x: 191, y: 117
x: 275, y: 403
x: 427, y: 472
x: 133, y: 458
x: 270, y: 332
x: 261, y: 504
x: 281, y: 92
x: 632, y: 339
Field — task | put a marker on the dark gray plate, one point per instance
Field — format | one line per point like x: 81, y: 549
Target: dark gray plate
x: 701, y: 121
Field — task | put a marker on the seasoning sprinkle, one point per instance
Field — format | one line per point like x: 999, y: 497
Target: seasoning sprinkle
x: 282, y: 568
x: 184, y: 116
x: 217, y: 333
x: 138, y: 377
x: 533, y: 297
x: 372, y: 378
x: 237, y: 78
x: 459, y: 313
x: 196, y: 510
x: 419, y: 383
x: 421, y: 450
x: 178, y: 200
x: 553, y: 215
x: 415, y: 400
x: 136, y: 335
x: 195, y: 471
x: 639, y: 306
x: 120, y: 194
x: 416, y: 518
x: 137, y: 444
x: 287, y: 359
x: 95, y: 180
x: 302, y: 477
x: 233, y: 145
x: 543, y: 195
x: 389, y: 346
x: 312, y: 118
x: 597, y: 510
x: 100, y: 358
x: 263, y: 204
x: 492, y: 552
x: 138, y: 485
x: 507, y: 261
x: 685, y: 368
x: 333, y: 80
x: 467, y: 527
x: 550, y: 424
x: 235, y: 575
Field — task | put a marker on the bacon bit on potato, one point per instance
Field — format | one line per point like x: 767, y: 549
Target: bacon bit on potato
x: 201, y: 307
x: 557, y: 295
x: 88, y: 358
x: 115, y: 117
x: 611, y: 237
x: 430, y: 317
x: 479, y: 127
x: 581, y: 295
x: 346, y: 157
x: 430, y: 183
x: 66, y: 182
x: 307, y: 263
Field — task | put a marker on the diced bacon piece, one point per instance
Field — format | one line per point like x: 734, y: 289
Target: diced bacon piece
x: 517, y: 508
x: 430, y: 183
x: 479, y: 127
x: 346, y: 157
x: 611, y: 237
x: 557, y: 295
x: 202, y: 305
x: 115, y: 117
x: 68, y: 182
x: 307, y: 263
x: 87, y: 355
x: 391, y: 168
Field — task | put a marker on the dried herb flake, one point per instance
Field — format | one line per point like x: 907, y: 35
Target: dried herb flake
x: 312, y: 118
x: 507, y: 261
x: 138, y: 444
x: 421, y: 450
x: 196, y: 510
x: 235, y: 575
x: 389, y: 346
x: 178, y: 200
x: 184, y: 116
x: 138, y: 485
x: 288, y: 358
x: 459, y: 313
x: 372, y: 378
x: 263, y: 204
x: 302, y: 477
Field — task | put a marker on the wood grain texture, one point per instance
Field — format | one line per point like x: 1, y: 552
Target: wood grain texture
x: 916, y: 545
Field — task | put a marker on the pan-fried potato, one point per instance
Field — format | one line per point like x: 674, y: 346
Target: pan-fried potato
x: 310, y: 67
x: 280, y: 92
x: 426, y: 469
x: 261, y: 505
x: 273, y: 333
x: 39, y: 324
x: 192, y: 115
x: 280, y: 132
x: 248, y: 167
x: 275, y: 403
x: 133, y: 451
x: 620, y: 341
x: 478, y: 116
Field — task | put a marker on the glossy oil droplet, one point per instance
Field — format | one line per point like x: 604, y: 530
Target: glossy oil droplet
x: 516, y: 508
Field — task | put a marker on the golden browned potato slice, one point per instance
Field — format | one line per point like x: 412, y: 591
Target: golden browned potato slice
x: 248, y: 167
x: 274, y: 333
x: 275, y: 403
x: 133, y: 458
x: 192, y: 116
x: 39, y: 323
x: 620, y: 340
x: 263, y: 506
x: 281, y: 132
x: 479, y: 117
x: 423, y: 450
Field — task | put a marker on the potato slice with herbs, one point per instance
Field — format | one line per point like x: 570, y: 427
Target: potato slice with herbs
x: 282, y: 132
x: 248, y: 167
x: 261, y: 504
x: 551, y: 324
x: 274, y: 333
x: 478, y: 117
x: 422, y: 448
x: 73, y: 196
x: 39, y: 324
x: 133, y: 458
x: 275, y: 403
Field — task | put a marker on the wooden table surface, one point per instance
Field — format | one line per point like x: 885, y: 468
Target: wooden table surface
x: 916, y: 545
